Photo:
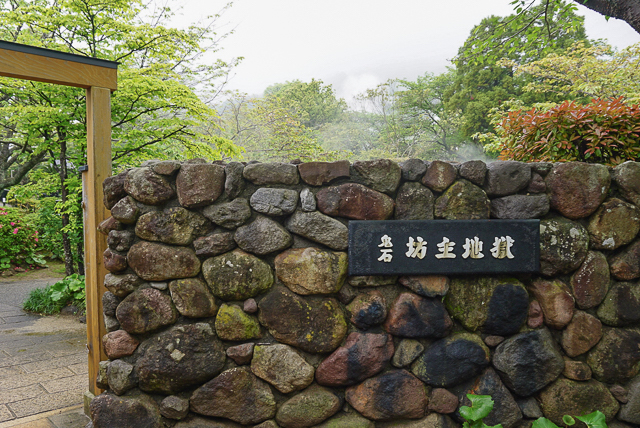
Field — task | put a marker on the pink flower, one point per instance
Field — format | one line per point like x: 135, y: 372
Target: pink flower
x: 13, y: 224
x: 36, y: 239
x: 15, y: 231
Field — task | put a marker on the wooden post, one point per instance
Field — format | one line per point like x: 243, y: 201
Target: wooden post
x: 99, y: 163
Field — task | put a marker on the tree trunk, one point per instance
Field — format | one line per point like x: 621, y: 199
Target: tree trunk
x: 626, y: 10
x: 66, y: 242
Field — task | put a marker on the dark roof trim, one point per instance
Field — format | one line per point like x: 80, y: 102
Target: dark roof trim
x: 50, y: 53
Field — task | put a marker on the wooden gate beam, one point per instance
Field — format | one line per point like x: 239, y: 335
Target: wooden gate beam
x: 99, y: 78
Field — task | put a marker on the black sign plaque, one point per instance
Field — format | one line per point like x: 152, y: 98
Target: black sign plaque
x: 424, y: 247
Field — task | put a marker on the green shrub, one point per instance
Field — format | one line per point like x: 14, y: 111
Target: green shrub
x: 18, y: 240
x: 51, y: 299
x: 603, y: 131
x: 482, y: 405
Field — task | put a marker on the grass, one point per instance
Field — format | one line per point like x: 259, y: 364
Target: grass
x: 39, y: 301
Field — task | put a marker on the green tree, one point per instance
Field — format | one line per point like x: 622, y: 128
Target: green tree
x: 482, y: 82
x: 154, y: 112
x: 585, y: 72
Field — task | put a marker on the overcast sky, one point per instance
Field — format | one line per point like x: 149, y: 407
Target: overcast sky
x: 356, y: 44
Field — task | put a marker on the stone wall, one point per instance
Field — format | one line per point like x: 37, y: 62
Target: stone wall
x: 229, y: 301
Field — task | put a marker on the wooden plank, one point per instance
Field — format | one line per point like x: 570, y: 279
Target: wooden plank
x: 99, y: 163
x: 52, y: 70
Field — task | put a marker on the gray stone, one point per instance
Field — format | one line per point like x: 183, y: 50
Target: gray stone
x: 614, y: 224
x: 111, y: 323
x: 179, y: 358
x: 616, y: 357
x: 426, y: 285
x: 193, y: 298
x: 148, y: 187
x: 176, y: 226
x: 236, y: 394
x: 630, y: 412
x: 126, y: 210
x: 271, y: 173
x: 406, y: 352
x: 234, y: 183
x: 627, y: 177
x: 263, y: 236
x: 121, y: 377
x: 381, y: 175
x: 621, y: 306
x: 506, y: 177
x: 463, y: 201
x: 625, y: 264
x: 319, y: 228
x: 274, y: 202
x: 113, y: 189
x: 413, y: 169
x: 109, y: 303
x: 307, y: 200
x: 418, y: 317
x: 229, y: 214
x: 102, y: 380
x: 529, y: 407
x: 368, y: 309
x: 120, y: 240
x: 347, y: 420
x: 474, y: 171
x: 166, y: 167
x: 313, y: 324
x: 122, y: 285
x: 414, y: 202
x: 237, y: 275
x: 309, y: 408
x: 199, y: 184
x: 214, y: 244
x: 110, y: 411
x: 311, y: 270
x: 563, y: 246
x: 520, y: 206
x: 174, y: 407
x: 194, y: 421
x: 159, y: 285
x: 372, y: 280
x: 527, y: 362
x: 282, y: 366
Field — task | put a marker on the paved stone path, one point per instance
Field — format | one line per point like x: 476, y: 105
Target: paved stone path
x: 43, y: 364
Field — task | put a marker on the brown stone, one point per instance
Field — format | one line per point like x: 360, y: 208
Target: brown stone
x: 440, y: 175
x: 564, y: 244
x: 362, y: 356
x: 474, y: 171
x: 568, y: 397
x: 148, y: 187
x: 493, y: 341
x: 555, y: 300
x: 616, y: 357
x: 442, y: 401
x: 118, y: 344
x: 395, y: 394
x: 146, y: 310
x: 167, y: 167
x: 537, y: 184
x: 620, y: 393
x: 126, y: 210
x: 241, y: 354
x: 627, y: 177
x: 113, y: 189
x: 368, y: 309
x: 311, y: 270
x: 250, y: 306
x: 199, y: 184
x: 271, y: 173
x: 582, y: 334
x: 237, y: 275
x: 122, y: 285
x: 113, y: 261
x: 577, y: 189
x: 614, y: 224
x: 625, y: 265
x: 233, y: 324
x: 535, y: 317
x: 319, y: 173
x: 576, y: 370
x: 159, y: 262
x: 281, y: 366
x: 110, y: 411
x: 590, y: 282
x: 236, y: 394
x: 415, y: 317
x: 106, y: 226
x: 414, y: 202
x: 214, y: 244
x: 176, y: 226
x: 427, y: 285
x: 309, y: 408
x: 355, y: 201
x: 120, y: 240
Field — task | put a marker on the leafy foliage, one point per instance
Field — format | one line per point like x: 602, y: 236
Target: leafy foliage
x: 18, y: 240
x: 51, y: 299
x: 481, y: 406
x: 585, y: 72
x: 603, y: 131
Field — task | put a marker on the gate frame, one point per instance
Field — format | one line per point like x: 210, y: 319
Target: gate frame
x: 99, y: 78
